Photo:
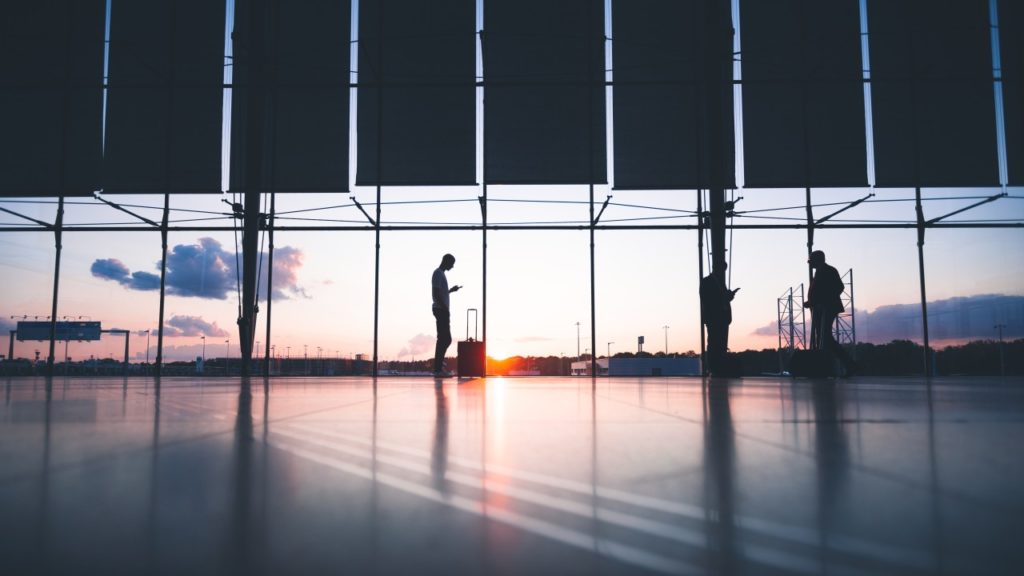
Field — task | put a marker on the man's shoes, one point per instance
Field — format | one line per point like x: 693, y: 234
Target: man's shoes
x: 443, y: 374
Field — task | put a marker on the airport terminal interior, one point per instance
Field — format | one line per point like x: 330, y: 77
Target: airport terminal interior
x: 590, y: 162
x: 511, y: 476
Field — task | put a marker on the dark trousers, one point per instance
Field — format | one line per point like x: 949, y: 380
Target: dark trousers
x: 444, y: 337
x: 821, y: 334
x: 718, y: 343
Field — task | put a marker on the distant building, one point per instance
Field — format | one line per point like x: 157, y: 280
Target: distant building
x: 670, y: 366
x: 582, y: 368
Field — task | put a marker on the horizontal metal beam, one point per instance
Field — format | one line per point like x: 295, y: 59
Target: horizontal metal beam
x: 507, y: 227
x: 29, y: 86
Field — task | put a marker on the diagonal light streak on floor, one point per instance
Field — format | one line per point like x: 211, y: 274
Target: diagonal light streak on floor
x: 803, y: 562
x: 900, y: 557
x: 621, y: 552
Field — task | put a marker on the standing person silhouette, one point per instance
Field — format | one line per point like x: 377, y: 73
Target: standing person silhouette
x: 823, y: 298
x: 716, y: 313
x: 440, y: 291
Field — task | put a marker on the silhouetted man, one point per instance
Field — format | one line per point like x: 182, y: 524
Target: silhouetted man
x: 440, y: 291
x: 824, y: 300
x: 716, y: 313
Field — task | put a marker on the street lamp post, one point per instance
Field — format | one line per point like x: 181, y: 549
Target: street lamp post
x: 227, y: 356
x: 666, y: 339
x: 610, y: 358
x: 147, y: 349
x: 577, y: 341
x: 204, y: 353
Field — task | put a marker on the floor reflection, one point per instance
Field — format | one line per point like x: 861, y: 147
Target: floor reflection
x: 831, y: 459
x: 153, y: 517
x: 242, y: 548
x: 439, y: 451
x: 719, y: 471
x: 513, y: 476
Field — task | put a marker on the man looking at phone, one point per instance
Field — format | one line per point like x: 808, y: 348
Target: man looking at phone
x: 716, y: 313
x: 440, y: 292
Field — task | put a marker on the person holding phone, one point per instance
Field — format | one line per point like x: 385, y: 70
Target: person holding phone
x: 442, y: 314
x: 716, y: 313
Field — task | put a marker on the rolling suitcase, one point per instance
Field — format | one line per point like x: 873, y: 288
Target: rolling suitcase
x: 471, y: 361
x: 811, y: 364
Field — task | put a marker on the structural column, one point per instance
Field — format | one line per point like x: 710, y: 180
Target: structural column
x: 254, y: 38
x: 163, y: 285
x: 717, y: 79
x: 920, y: 268
x: 58, y: 231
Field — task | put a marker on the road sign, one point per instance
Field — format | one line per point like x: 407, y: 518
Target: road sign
x: 33, y: 331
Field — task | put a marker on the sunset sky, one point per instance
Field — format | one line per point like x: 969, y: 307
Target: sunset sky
x: 538, y: 282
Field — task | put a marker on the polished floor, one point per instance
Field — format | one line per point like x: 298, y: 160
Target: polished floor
x: 512, y: 476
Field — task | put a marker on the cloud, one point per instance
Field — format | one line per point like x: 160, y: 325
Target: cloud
x: 114, y: 269
x: 207, y: 270
x: 143, y: 281
x: 953, y: 319
x: 194, y: 326
x: 418, y: 345
x: 6, y: 325
x: 203, y: 270
x: 110, y: 269
x: 287, y: 261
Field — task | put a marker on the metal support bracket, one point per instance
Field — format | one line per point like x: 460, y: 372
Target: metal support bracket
x: 115, y: 206
x: 603, y: 206
x: 975, y: 205
x: 843, y: 209
x: 361, y: 209
x: 46, y: 225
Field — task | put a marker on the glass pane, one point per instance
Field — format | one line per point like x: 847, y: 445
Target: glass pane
x: 112, y: 278
x: 26, y: 264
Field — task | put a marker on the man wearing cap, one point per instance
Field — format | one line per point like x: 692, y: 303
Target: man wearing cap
x: 824, y: 300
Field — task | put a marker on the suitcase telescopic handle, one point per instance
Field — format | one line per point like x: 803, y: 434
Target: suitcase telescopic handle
x: 476, y: 318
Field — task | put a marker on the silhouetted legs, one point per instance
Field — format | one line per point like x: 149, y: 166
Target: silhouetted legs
x: 718, y: 342
x: 444, y: 337
x: 822, y: 322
